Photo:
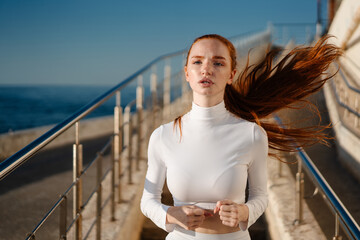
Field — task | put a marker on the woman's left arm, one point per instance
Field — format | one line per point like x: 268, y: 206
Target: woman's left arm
x: 244, y: 215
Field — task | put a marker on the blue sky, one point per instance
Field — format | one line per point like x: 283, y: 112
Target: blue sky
x: 102, y: 42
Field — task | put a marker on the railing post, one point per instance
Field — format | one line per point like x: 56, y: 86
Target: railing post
x: 139, y: 109
x: 167, y: 87
x: 337, y: 236
x: 120, y: 143
x: 99, y: 196
x: 184, y: 85
x: 299, y: 192
x: 279, y: 169
x: 341, y: 92
x: 128, y: 138
x: 117, y: 139
x: 346, y: 102
x: 112, y: 203
x: 77, y: 169
x: 356, y: 121
x: 63, y: 217
x: 153, y: 89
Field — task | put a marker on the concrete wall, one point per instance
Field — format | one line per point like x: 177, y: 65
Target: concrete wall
x: 343, y: 22
x: 12, y: 142
x: 348, y: 144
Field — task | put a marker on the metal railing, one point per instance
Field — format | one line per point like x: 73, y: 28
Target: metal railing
x: 348, y: 97
x: 300, y: 33
x: 149, y: 108
x: 342, y: 215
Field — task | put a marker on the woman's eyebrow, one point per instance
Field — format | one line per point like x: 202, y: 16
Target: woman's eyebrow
x: 219, y: 57
x: 215, y: 57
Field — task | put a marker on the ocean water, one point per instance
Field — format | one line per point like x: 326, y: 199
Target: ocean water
x: 23, y: 107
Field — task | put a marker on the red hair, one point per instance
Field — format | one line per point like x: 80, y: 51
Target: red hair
x: 263, y: 89
x: 228, y: 44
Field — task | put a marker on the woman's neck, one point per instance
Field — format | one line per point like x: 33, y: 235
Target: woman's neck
x: 204, y: 101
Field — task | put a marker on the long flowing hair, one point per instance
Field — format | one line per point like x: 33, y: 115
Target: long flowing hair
x: 263, y: 89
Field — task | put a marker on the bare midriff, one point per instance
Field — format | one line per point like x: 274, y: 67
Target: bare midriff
x: 213, y: 225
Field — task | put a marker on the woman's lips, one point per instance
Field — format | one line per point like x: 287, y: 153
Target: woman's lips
x: 205, y: 82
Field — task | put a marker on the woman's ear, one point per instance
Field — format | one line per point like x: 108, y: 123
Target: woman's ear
x: 186, y: 73
x: 232, y: 75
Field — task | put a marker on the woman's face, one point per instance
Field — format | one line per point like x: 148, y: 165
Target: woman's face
x: 208, y: 70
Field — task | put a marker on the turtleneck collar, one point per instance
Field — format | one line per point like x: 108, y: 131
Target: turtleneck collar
x: 214, y: 112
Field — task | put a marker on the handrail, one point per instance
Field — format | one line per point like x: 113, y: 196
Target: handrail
x: 347, y: 221
x: 347, y: 82
x: 341, y: 103
x: 337, y: 97
x: 17, y: 159
x: 345, y: 217
x: 301, y: 33
x: 294, y: 24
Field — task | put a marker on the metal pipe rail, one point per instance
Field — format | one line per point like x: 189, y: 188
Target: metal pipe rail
x: 341, y: 103
x: 348, y: 97
x: 347, y: 82
x: 342, y: 215
x: 301, y: 33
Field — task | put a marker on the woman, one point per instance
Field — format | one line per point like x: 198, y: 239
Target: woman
x: 209, y: 154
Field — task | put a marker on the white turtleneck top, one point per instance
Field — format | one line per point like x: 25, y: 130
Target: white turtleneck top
x: 212, y: 160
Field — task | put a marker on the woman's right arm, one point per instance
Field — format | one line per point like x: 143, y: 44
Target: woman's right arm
x: 151, y: 205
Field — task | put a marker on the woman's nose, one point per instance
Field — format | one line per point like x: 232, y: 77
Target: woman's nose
x: 206, y: 69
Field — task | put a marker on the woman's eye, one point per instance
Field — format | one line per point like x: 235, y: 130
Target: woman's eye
x: 197, y: 62
x: 218, y: 64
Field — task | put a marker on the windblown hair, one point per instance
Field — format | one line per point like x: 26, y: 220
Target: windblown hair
x: 263, y: 89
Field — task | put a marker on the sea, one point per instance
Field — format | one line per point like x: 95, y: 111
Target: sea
x: 24, y: 107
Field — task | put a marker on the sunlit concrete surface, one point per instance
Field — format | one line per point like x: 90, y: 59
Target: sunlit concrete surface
x: 281, y: 212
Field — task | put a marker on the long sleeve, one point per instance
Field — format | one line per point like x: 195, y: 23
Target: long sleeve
x: 151, y: 205
x: 257, y: 177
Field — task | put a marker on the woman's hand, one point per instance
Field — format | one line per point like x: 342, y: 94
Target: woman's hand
x: 231, y: 213
x: 188, y: 217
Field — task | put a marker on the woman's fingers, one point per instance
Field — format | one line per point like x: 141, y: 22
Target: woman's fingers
x: 229, y: 208
x: 225, y: 202
x: 229, y: 212
x: 230, y: 223
x: 221, y: 203
x: 193, y: 222
x: 193, y: 218
x: 198, y: 212
x: 193, y: 211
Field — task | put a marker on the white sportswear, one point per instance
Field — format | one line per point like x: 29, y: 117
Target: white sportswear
x: 212, y: 160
